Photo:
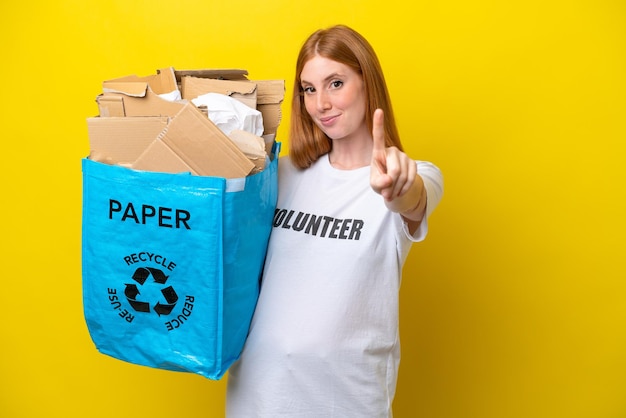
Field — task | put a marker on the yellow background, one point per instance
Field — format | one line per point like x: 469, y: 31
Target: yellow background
x: 513, y: 307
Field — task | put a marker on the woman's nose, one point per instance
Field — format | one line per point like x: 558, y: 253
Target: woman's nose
x: 323, y: 101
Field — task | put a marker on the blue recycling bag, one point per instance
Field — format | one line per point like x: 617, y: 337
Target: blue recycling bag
x: 171, y: 263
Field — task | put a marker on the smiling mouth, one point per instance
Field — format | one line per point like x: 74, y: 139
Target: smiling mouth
x: 328, y: 120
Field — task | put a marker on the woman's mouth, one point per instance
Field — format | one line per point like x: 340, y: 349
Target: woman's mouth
x: 328, y: 120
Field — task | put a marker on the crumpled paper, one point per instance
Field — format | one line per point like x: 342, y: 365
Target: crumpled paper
x: 230, y: 114
x: 172, y: 96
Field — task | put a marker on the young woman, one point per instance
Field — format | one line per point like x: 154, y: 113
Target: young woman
x: 324, y: 338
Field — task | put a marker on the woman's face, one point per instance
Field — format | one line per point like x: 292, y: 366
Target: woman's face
x: 334, y: 97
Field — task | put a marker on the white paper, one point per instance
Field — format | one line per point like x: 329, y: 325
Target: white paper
x: 172, y: 96
x: 230, y: 114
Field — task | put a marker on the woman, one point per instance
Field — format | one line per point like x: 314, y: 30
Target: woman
x: 324, y: 337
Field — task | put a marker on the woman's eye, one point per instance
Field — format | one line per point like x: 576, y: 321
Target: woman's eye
x: 336, y: 84
x: 308, y: 90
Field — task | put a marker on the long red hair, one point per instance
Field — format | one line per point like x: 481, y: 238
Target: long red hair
x: 339, y: 43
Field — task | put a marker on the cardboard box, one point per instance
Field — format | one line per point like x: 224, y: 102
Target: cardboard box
x: 138, y: 128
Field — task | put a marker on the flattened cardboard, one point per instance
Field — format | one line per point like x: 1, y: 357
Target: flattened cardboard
x: 159, y: 157
x: 139, y: 96
x: 123, y: 139
x: 138, y: 128
x: 244, y: 91
x: 164, y: 81
x: 270, y: 91
x: 220, y: 74
x: 203, y: 146
x: 128, y: 104
x: 110, y: 106
x: 270, y: 95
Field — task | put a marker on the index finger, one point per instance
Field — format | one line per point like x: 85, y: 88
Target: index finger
x: 378, y: 130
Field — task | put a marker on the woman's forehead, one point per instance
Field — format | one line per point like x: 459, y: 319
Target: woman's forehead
x: 319, y: 69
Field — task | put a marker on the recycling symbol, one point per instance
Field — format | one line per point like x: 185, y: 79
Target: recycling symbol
x: 133, y: 294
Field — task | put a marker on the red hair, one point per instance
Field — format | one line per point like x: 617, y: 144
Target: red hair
x: 344, y: 45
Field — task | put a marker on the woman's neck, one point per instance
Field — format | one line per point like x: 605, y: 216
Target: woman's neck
x: 350, y: 156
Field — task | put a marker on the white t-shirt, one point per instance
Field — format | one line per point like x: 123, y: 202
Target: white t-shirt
x: 324, y: 337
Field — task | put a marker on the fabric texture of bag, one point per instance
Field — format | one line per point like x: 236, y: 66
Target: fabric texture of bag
x: 172, y: 262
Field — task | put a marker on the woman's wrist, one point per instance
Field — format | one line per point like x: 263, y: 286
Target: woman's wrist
x: 412, y: 204
x: 417, y: 210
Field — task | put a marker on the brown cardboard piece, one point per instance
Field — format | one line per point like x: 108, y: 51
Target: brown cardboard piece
x: 139, y: 96
x: 122, y: 140
x: 159, y: 157
x: 201, y: 145
x: 270, y: 95
x: 244, y: 91
x: 164, y: 81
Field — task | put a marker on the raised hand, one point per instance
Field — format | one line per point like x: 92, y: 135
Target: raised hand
x: 393, y: 173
